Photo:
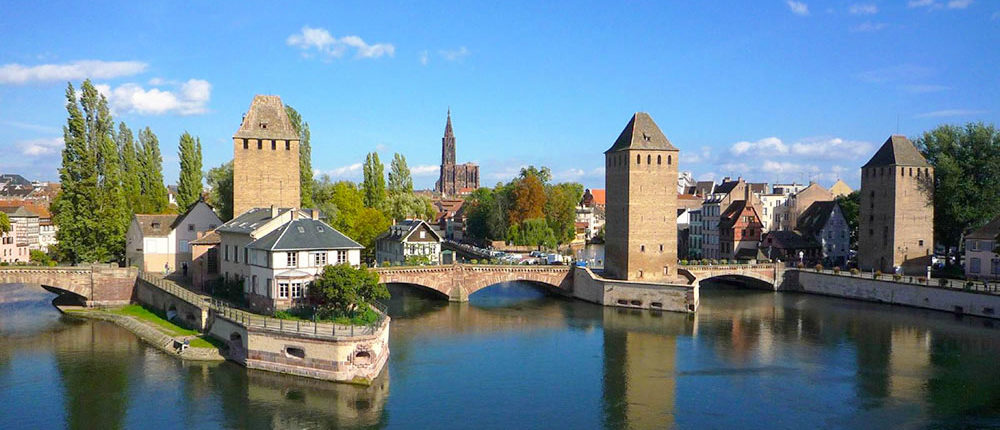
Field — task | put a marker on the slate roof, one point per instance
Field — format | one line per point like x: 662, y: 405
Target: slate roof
x: 758, y: 187
x: 730, y: 216
x: 990, y: 231
x: 249, y: 221
x: 266, y: 119
x: 704, y: 188
x: 163, y: 224
x: 725, y: 187
x: 899, y: 151
x: 304, y: 233
x: 815, y: 217
x: 403, y: 229
x: 211, y: 238
x: 641, y: 133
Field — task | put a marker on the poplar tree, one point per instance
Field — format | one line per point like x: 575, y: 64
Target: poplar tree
x: 373, y: 187
x: 112, y: 211
x: 400, y: 181
x: 305, y: 157
x: 189, y: 184
x: 131, y: 168
x: 220, y: 180
x: 154, y: 193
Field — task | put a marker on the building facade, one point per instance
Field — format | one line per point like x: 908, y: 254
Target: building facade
x: 12, y: 251
x: 797, y: 203
x: 824, y: 223
x: 982, y: 252
x: 740, y: 230
x: 454, y: 179
x: 265, y: 158
x: 695, y: 235
x: 162, y: 243
x: 408, y: 241
x: 641, y: 213
x: 28, y: 227
x: 896, y: 222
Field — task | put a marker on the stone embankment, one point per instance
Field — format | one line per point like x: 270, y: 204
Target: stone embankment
x: 150, y: 335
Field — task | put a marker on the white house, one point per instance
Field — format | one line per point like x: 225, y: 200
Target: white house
x: 406, y: 239
x: 824, y: 222
x: 982, y: 261
x: 276, y: 253
x: 162, y: 243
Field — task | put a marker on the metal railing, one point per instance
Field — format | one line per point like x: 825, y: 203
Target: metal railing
x: 266, y: 323
x: 953, y: 284
x: 298, y: 327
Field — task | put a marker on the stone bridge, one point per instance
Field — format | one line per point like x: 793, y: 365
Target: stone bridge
x: 458, y: 281
x: 98, y: 285
x: 770, y: 273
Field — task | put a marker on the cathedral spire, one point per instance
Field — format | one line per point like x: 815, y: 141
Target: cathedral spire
x: 447, y: 128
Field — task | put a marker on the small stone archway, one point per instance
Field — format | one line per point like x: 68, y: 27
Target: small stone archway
x: 751, y: 281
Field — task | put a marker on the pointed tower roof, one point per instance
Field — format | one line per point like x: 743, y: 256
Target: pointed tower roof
x: 840, y: 188
x: 448, y: 132
x: 641, y: 133
x: 266, y: 119
x: 897, y: 151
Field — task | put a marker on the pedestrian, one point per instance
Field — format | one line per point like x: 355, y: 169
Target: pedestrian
x: 166, y: 269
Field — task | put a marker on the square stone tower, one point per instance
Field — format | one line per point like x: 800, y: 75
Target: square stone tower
x: 896, y: 220
x: 265, y: 158
x: 641, y: 228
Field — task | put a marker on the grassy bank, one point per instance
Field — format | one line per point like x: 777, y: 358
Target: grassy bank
x: 149, y: 316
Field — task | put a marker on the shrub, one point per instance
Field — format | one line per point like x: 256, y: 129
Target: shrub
x: 714, y: 261
x: 836, y: 270
x: 855, y: 272
x: 473, y: 261
x: 684, y: 262
x: 921, y: 279
x: 878, y: 274
x: 386, y: 263
x: 818, y: 267
x: 943, y: 282
x: 896, y: 276
x: 800, y: 265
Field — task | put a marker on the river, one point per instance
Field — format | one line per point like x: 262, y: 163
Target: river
x: 514, y: 358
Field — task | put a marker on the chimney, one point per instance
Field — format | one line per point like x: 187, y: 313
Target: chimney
x: 274, y: 211
x: 746, y: 193
x: 315, y: 214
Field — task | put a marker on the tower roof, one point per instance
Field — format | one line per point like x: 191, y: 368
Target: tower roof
x: 641, y: 133
x: 448, y: 132
x: 266, y: 119
x: 897, y: 151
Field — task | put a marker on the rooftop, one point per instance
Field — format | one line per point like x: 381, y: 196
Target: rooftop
x: 155, y: 224
x: 641, y: 133
x: 266, y: 119
x: 304, y: 233
x: 815, y: 217
x: 897, y: 151
x: 990, y: 231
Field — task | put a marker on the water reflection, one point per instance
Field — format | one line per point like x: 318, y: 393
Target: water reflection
x: 515, y: 358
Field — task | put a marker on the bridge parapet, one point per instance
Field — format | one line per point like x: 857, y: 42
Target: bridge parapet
x: 99, y: 285
x: 458, y: 281
x: 770, y: 273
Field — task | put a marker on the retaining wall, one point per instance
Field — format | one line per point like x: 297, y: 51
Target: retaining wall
x: 897, y: 293
x: 631, y: 294
x: 193, y: 316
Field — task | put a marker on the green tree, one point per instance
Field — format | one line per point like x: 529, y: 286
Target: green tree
x: 154, y: 193
x: 400, y: 181
x: 90, y: 209
x: 410, y: 206
x: 560, y: 210
x: 374, y: 182
x: 220, y: 180
x: 850, y: 206
x: 966, y: 185
x: 131, y: 168
x: 532, y: 232
x: 342, y: 290
x: 4, y: 223
x: 369, y: 224
x: 529, y: 199
x: 305, y: 157
x: 544, y: 174
x: 189, y: 184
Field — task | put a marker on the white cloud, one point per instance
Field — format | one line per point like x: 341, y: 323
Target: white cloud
x: 320, y: 40
x: 707, y: 176
x: 863, y: 9
x: 922, y: 3
x: 924, y: 88
x: 38, y: 147
x: 902, y: 72
x: 425, y: 170
x: 454, y: 54
x: 424, y: 57
x: 699, y: 156
x: 157, y: 81
x: 191, y: 98
x: 868, y: 26
x: 835, y: 147
x: 352, y: 170
x: 959, y: 4
x: 933, y: 4
x: 798, y: 8
x: 18, y: 74
x: 766, y: 144
x: 950, y: 112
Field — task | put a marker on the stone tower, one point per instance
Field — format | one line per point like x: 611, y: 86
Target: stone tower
x: 641, y: 227
x: 896, y: 220
x: 454, y: 178
x: 265, y: 158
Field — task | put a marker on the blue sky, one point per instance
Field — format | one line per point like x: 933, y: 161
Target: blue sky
x: 769, y: 90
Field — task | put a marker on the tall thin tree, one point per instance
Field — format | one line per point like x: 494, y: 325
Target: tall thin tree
x: 131, y: 168
x: 373, y: 186
x: 400, y: 181
x: 189, y: 184
x: 305, y: 157
x: 154, y: 193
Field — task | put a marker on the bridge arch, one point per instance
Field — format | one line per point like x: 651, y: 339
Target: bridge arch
x: 758, y: 276
x: 458, y: 281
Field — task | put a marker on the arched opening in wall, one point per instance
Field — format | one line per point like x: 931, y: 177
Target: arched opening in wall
x: 734, y: 282
x: 410, y: 300
x: 235, y: 337
x: 513, y: 293
x: 362, y: 358
x: 295, y: 352
x: 65, y: 297
x: 402, y: 289
x: 171, y: 312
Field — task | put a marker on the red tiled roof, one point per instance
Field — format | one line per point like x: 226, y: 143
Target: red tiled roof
x: 600, y: 196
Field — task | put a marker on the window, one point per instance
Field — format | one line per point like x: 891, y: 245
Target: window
x: 423, y: 234
x: 246, y: 145
x: 975, y: 245
x: 288, y: 145
x: 642, y: 248
x: 270, y: 285
x: 649, y: 159
x: 669, y: 158
x: 638, y: 159
x: 246, y: 256
x: 661, y: 247
x: 253, y: 283
x: 282, y: 290
x: 974, y: 265
x: 293, y: 259
x: 341, y: 257
x: 320, y: 259
x: 155, y: 225
x: 920, y: 242
x: 260, y: 144
x: 226, y: 256
x: 296, y: 290
x: 236, y: 254
x: 995, y: 266
x: 274, y: 145
x: 659, y: 159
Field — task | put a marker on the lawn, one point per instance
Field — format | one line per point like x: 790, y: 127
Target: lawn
x: 154, y: 318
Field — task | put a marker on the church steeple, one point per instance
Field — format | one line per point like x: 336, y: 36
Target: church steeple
x: 448, y: 143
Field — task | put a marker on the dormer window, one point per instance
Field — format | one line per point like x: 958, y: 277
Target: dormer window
x: 155, y: 225
x: 263, y: 125
x: 300, y: 229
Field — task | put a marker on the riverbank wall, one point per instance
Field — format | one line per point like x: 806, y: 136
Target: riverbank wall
x: 150, y: 335
x: 593, y: 288
x: 957, y: 301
